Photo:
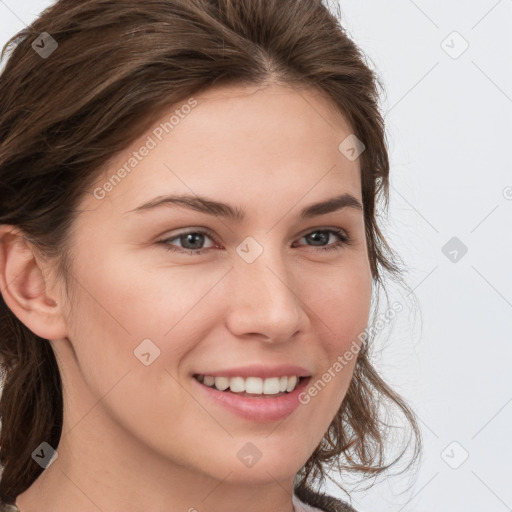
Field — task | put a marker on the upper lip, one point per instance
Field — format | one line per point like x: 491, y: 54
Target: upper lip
x: 259, y: 370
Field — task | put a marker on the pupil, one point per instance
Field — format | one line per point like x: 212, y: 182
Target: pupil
x: 318, y: 233
x: 192, y: 235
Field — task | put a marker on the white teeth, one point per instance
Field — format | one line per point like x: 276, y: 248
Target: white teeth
x: 209, y: 380
x: 291, y: 383
x: 237, y: 384
x: 271, y: 386
x: 221, y: 383
x: 252, y: 385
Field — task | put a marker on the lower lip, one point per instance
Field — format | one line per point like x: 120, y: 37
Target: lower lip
x: 257, y: 409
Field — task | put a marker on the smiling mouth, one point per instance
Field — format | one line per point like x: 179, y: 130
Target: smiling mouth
x: 255, y: 387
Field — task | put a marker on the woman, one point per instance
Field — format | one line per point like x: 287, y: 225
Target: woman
x: 144, y: 371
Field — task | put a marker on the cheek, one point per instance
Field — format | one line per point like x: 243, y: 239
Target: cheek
x: 122, y: 302
x: 108, y: 318
x: 340, y: 305
x: 340, y: 300
x: 111, y: 316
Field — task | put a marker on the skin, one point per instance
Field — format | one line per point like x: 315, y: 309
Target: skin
x: 139, y: 437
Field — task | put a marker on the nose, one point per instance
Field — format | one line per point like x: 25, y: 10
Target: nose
x: 264, y: 299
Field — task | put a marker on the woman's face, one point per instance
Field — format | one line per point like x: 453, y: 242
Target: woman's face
x: 152, y: 309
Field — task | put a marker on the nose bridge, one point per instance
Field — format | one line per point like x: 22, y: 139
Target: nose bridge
x: 265, y: 300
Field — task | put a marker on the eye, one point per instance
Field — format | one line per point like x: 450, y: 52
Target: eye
x: 192, y: 240
x: 189, y: 238
x: 342, y: 238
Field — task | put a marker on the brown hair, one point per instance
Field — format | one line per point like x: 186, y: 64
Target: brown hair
x: 118, y: 64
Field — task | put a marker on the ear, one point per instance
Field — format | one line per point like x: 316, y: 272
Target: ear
x: 24, y: 288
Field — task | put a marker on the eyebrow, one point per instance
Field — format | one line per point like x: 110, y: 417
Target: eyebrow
x: 220, y: 209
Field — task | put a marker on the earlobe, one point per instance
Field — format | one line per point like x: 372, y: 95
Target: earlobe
x: 24, y: 288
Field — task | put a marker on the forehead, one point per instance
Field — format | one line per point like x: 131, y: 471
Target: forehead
x: 269, y: 142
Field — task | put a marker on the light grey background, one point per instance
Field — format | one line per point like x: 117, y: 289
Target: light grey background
x: 449, y: 121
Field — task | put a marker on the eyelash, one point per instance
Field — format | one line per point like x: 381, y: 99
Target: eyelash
x: 343, y: 240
